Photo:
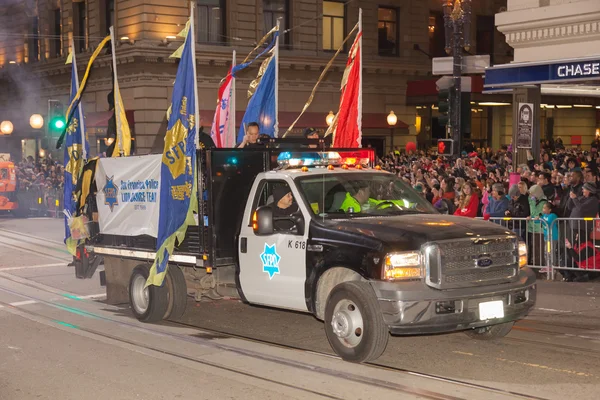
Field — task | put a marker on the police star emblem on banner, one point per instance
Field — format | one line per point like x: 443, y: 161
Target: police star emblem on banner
x: 110, y: 193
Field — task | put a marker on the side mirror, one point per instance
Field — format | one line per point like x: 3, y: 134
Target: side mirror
x: 299, y: 221
x: 262, y: 221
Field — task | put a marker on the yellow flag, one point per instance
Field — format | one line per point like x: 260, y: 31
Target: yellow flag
x: 69, y: 58
x: 123, y: 142
x: 177, y: 53
x: 184, y: 31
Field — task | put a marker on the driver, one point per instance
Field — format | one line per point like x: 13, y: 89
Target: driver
x: 358, y: 199
x: 283, y: 206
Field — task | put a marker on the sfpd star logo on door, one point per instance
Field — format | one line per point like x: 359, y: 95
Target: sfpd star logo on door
x: 270, y: 260
x: 110, y: 193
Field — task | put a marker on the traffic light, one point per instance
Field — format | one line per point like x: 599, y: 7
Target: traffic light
x: 444, y: 106
x: 56, y: 118
x: 445, y: 147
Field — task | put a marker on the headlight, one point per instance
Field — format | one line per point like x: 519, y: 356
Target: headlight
x: 522, y: 254
x: 405, y: 265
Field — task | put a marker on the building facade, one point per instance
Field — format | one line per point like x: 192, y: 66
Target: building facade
x: 551, y: 32
x: 399, y: 39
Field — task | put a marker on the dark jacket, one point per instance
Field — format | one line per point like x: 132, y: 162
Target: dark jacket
x: 566, y: 206
x: 284, y: 225
x: 549, y: 191
x: 584, y: 207
x: 519, y: 208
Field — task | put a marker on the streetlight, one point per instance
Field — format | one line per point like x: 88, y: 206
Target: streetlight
x: 329, y: 119
x: 36, y: 121
x: 457, y: 24
x: 392, y: 120
x: 6, y: 127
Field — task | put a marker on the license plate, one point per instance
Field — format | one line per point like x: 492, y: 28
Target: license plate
x: 491, y: 310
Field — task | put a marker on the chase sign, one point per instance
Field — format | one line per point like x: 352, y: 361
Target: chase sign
x: 578, y: 70
x: 564, y: 71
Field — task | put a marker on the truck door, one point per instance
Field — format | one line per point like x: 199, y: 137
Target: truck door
x: 272, y: 268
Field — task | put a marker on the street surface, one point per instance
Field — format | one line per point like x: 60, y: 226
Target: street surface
x: 59, y: 340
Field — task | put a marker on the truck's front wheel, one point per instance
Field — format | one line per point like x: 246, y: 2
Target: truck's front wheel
x: 149, y: 304
x: 490, y: 332
x: 353, y: 322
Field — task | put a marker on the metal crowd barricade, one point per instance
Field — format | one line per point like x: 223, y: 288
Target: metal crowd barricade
x: 536, y: 234
x: 576, y: 250
x: 54, y: 202
x: 568, y: 245
x: 39, y: 201
x: 31, y: 202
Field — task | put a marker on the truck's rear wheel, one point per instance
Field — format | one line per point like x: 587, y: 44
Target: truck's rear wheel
x: 490, y: 332
x: 353, y: 323
x: 177, y: 292
x: 148, y: 304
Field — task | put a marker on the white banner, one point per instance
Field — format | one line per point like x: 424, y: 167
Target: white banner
x: 128, y: 195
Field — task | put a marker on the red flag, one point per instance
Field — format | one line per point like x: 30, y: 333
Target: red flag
x: 220, y: 131
x: 347, y: 126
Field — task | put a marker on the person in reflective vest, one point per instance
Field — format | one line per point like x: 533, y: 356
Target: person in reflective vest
x: 355, y: 202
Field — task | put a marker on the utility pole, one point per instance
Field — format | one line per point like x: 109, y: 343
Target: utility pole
x: 457, y: 24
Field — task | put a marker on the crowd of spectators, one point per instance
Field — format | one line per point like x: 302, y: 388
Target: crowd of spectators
x: 560, y: 183
x: 44, y: 175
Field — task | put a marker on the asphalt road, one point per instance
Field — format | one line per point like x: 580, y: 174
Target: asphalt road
x: 59, y: 340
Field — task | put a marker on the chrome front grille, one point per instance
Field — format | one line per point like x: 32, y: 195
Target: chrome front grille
x: 472, y: 262
x: 481, y: 276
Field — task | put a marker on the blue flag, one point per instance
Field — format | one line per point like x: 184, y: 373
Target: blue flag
x: 178, y: 188
x: 262, y: 105
x: 76, y: 150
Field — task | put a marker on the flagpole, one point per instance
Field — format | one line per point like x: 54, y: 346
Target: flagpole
x: 232, y: 109
x: 360, y: 93
x: 276, y: 54
x: 193, y: 44
x: 116, y: 90
x: 81, y: 120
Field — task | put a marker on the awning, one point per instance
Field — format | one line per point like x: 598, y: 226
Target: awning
x: 537, y: 73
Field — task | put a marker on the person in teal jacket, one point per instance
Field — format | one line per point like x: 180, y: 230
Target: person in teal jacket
x: 537, y: 199
x: 550, y: 232
x: 537, y: 250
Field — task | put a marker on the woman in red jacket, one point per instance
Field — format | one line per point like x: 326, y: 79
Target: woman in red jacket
x: 468, y: 203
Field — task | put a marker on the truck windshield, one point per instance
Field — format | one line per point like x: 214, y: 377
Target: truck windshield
x: 347, y: 195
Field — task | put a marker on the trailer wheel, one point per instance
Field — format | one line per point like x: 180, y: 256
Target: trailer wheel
x: 148, y: 304
x: 490, y: 332
x: 353, y: 323
x: 177, y: 292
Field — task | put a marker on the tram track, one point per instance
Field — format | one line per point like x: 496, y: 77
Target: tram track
x: 224, y: 334
x: 31, y: 244
x: 284, y: 362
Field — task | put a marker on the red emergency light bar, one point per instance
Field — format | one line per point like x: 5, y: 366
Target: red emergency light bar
x: 353, y: 158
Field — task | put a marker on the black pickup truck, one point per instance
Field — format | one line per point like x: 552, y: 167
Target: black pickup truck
x: 357, y: 248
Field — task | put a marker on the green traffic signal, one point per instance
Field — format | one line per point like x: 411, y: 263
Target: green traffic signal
x: 56, y: 125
